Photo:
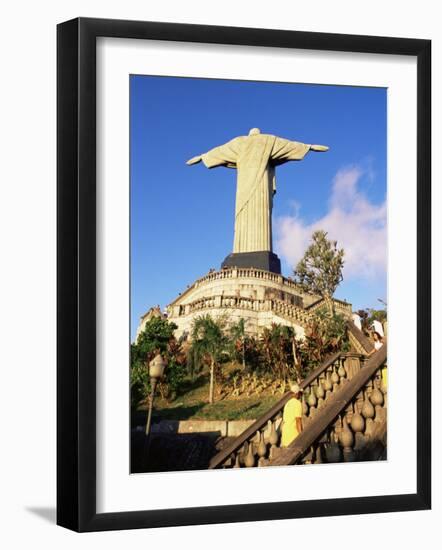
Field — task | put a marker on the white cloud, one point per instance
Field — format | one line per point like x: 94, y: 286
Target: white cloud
x: 359, y: 226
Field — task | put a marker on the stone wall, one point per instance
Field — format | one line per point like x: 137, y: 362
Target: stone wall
x: 255, y: 320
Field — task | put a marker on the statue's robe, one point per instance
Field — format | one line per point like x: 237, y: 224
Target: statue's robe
x: 255, y: 158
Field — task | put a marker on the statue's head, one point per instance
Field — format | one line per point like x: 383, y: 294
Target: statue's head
x: 254, y: 132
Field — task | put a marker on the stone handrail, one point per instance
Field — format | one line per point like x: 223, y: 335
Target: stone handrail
x: 218, y: 460
x: 316, y: 305
x: 359, y: 340
x: 352, y: 422
x: 285, y: 309
x: 339, y: 305
x: 234, y: 273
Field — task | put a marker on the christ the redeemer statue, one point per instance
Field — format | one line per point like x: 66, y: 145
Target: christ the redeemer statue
x: 254, y: 157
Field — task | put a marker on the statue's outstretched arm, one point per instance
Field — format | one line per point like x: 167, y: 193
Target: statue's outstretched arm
x: 320, y: 148
x: 194, y: 160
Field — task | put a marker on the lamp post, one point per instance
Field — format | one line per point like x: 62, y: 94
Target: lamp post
x: 156, y: 371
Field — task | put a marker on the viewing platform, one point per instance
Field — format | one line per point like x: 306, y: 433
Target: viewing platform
x: 260, y: 297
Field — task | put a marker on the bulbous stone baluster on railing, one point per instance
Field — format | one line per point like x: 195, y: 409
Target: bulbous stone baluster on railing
x: 243, y: 453
x: 273, y: 438
x: 358, y: 425
x: 368, y: 413
x: 327, y: 385
x: 262, y: 447
x: 249, y: 460
x: 377, y: 400
x: 341, y: 372
x: 320, y: 394
x: 347, y: 440
x: 335, y: 378
x: 311, y: 401
x: 357, y: 422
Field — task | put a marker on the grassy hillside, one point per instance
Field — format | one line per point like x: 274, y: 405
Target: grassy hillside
x: 192, y: 403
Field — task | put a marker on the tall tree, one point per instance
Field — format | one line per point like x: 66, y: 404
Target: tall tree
x: 208, y: 344
x: 320, y: 270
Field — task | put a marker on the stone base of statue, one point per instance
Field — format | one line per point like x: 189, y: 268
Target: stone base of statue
x: 260, y: 297
x: 263, y: 259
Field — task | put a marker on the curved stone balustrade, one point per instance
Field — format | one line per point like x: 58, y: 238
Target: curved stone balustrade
x: 291, y: 311
x: 234, y: 273
x: 239, y: 273
x: 279, y: 307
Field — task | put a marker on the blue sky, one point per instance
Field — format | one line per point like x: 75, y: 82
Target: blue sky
x: 182, y: 216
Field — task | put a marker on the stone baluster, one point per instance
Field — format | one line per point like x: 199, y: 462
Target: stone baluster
x: 357, y: 424
x: 249, y: 460
x: 273, y: 438
x: 320, y: 393
x: 346, y: 439
x: 335, y: 378
x: 262, y: 447
x: 311, y: 401
x: 243, y: 452
x: 377, y: 400
x: 341, y: 372
x: 327, y: 384
x: 368, y: 412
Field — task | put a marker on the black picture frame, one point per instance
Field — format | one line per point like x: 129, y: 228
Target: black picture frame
x: 77, y: 287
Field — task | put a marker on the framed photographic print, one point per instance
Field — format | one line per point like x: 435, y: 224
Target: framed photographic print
x: 243, y: 274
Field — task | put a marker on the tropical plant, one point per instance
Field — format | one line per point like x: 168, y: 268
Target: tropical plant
x: 278, y: 347
x: 244, y: 348
x: 209, y: 344
x: 238, y: 339
x: 320, y: 269
x: 157, y: 337
x: 325, y: 334
x: 377, y: 315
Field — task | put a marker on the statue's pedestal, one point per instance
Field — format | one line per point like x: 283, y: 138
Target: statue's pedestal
x: 264, y: 259
x: 260, y: 297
